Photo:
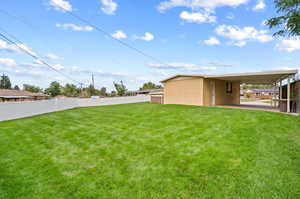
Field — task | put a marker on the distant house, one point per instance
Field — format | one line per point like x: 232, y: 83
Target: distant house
x: 263, y: 93
x: 7, y: 95
x: 143, y: 92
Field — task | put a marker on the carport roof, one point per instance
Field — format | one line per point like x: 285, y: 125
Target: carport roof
x: 257, y: 77
x: 269, y: 77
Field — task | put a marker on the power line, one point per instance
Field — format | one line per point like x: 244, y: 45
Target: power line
x: 21, y: 19
x: 101, y: 30
x: 34, y: 56
x: 35, y: 28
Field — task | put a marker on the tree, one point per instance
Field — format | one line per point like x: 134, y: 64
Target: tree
x: 289, y: 22
x: 16, y: 88
x: 70, y: 90
x: 92, y: 91
x: 120, y: 88
x: 54, y: 89
x: 32, y: 88
x: 103, y: 91
x: 5, y: 82
x: 150, y: 85
x: 255, y: 86
x: 113, y: 93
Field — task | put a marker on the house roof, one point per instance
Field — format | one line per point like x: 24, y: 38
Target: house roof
x: 181, y: 75
x: 19, y: 94
x: 269, y: 77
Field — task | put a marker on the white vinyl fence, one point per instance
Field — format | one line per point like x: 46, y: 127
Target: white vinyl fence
x: 15, y: 110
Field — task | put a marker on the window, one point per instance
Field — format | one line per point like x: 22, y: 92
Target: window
x: 228, y: 87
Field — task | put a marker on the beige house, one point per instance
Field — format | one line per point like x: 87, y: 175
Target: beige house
x: 200, y: 90
x: 212, y: 90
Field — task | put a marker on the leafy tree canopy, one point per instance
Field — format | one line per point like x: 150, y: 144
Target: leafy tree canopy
x: 54, y: 89
x: 103, y: 91
x: 16, y: 88
x: 289, y: 22
x: 32, y: 88
x: 150, y: 85
x: 71, y: 90
x: 120, y: 88
x: 92, y: 91
x: 253, y: 86
x: 5, y: 82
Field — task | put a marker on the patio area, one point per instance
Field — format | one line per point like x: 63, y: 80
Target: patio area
x: 257, y: 105
x: 253, y: 106
x: 284, y: 102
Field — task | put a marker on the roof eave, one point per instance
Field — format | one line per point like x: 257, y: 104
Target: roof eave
x: 279, y: 72
x: 180, y: 75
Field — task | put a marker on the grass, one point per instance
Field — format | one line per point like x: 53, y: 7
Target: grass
x: 151, y: 151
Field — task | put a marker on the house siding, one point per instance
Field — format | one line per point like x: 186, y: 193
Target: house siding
x: 184, y: 90
x: 221, y: 97
x: 197, y: 91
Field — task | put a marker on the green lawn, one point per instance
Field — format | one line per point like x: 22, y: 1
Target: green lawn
x: 148, y: 151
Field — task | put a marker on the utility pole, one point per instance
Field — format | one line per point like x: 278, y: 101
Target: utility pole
x: 93, y: 81
x: 81, y: 84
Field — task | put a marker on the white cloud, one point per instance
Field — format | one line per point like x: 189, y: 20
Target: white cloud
x: 119, y: 34
x: 22, y: 72
x: 109, y: 7
x: 36, y: 63
x: 230, y: 16
x: 78, y: 70
x: 197, y: 17
x: 208, y: 68
x: 196, y: 4
x: 289, y: 68
x: 7, y: 62
x: 181, y: 66
x: 219, y: 64
x: 259, y: 6
x: 289, y: 45
x: 147, y: 37
x: 58, y: 67
x: 52, y: 56
x: 110, y: 74
x: 175, y: 65
x: 240, y: 36
x: 161, y: 72
x: 239, y: 43
x: 9, y: 47
x: 212, y: 41
x: 13, y: 48
x: 75, y: 27
x: 26, y: 48
x: 61, y: 5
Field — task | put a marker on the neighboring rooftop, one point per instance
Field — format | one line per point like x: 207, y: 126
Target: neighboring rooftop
x: 7, y: 93
x: 265, y: 90
x: 146, y: 91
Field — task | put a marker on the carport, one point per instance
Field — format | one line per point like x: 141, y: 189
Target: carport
x: 274, y: 78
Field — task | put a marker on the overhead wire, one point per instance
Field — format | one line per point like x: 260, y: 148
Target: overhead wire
x: 34, y: 28
x: 106, y: 33
x: 36, y: 57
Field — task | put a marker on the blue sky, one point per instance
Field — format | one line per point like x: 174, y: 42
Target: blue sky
x: 187, y: 36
